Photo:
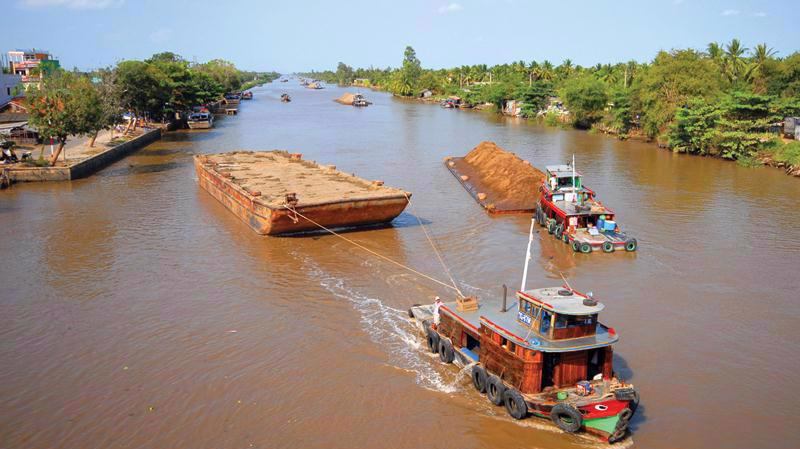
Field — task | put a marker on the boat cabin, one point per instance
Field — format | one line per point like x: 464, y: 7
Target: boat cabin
x: 550, y: 338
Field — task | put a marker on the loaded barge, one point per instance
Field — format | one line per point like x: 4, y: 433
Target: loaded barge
x: 276, y: 192
x: 570, y: 212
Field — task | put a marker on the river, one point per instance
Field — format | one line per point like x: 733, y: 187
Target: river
x: 138, y: 312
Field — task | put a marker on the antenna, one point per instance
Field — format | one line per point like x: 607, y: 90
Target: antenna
x: 565, y: 281
x: 527, y: 257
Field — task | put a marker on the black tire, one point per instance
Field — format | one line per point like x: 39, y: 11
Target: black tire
x: 495, y: 390
x: 551, y: 226
x: 617, y: 436
x: 559, y: 231
x: 586, y: 248
x: 566, y: 417
x: 515, y: 404
x: 608, y: 247
x: 565, y: 237
x: 433, y: 341
x: 633, y: 405
x: 410, y: 313
x: 576, y: 246
x: 626, y: 414
x: 479, y: 378
x: 446, y: 353
x: 631, y: 245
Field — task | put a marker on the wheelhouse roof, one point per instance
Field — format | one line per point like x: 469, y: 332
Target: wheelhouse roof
x: 561, y: 171
x: 561, y: 300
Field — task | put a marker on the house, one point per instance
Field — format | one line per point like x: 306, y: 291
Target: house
x: 512, y: 108
x: 427, y: 93
x: 31, y: 65
x: 361, y: 82
x: 8, y: 87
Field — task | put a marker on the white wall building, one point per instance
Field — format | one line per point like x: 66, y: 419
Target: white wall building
x: 8, y: 84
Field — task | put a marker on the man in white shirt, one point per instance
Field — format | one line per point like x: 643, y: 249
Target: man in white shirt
x: 437, y: 302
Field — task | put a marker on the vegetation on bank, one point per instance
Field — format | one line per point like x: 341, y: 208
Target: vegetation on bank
x: 73, y: 103
x: 723, y: 101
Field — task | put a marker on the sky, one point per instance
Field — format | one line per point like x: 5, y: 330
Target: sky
x: 300, y: 35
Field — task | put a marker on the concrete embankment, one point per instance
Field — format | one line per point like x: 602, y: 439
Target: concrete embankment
x: 84, y: 167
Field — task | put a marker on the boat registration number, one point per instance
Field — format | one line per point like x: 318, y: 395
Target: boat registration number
x: 525, y: 318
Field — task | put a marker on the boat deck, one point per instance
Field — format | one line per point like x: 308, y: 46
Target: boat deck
x: 274, y: 174
x: 507, y: 324
x: 569, y: 208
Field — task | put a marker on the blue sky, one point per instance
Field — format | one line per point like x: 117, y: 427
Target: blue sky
x: 292, y: 35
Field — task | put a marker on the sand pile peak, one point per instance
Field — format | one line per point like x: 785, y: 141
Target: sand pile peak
x: 508, y: 182
x: 347, y: 98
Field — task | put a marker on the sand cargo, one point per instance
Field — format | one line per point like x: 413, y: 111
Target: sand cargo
x: 499, y: 180
x: 276, y: 192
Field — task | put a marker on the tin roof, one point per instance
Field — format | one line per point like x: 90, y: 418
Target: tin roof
x: 561, y: 171
x: 561, y: 300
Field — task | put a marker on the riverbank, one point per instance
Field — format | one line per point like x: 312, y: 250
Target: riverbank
x: 82, y: 160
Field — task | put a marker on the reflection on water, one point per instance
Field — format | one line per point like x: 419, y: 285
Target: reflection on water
x: 138, y: 312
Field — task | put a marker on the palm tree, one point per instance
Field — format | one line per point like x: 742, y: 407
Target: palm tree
x: 761, y: 53
x: 532, y: 72
x: 734, y: 61
x: 566, y: 68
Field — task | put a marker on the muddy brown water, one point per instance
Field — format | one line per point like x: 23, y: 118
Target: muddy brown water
x: 138, y: 312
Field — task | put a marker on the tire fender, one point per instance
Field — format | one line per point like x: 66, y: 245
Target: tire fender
x: 446, y: 352
x: 515, y: 404
x: 495, y: 389
x: 479, y: 378
x: 566, y: 417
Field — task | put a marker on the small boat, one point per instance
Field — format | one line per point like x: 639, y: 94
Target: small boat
x: 286, y: 98
x: 360, y: 101
x: 570, y: 212
x: 546, y: 356
x: 200, y: 120
x: 232, y: 98
x: 284, y: 80
x: 247, y: 95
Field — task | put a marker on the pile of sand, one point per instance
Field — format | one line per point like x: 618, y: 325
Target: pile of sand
x: 500, y: 180
x: 347, y: 99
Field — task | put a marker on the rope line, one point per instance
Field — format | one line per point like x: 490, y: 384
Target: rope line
x: 443, y: 284
x: 436, y: 250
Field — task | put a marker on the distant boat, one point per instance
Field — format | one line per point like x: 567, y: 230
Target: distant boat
x: 247, y: 95
x: 286, y: 98
x: 200, y: 120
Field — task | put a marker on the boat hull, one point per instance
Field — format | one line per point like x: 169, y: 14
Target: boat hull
x: 268, y: 220
x: 201, y: 125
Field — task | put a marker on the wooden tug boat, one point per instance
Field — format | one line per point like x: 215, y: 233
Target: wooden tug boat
x: 549, y: 357
x: 571, y: 213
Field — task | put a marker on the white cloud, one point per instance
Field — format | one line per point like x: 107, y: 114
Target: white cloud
x: 72, y: 4
x: 731, y: 12
x: 160, y: 36
x: 452, y: 7
x: 760, y: 14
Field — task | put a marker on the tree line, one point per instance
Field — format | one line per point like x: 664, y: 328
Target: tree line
x: 73, y: 103
x: 720, y: 101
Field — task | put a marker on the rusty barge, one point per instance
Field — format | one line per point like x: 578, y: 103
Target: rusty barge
x: 277, y: 192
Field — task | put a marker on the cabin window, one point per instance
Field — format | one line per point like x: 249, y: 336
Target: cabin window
x: 566, y: 321
x: 511, y: 347
x: 544, y: 327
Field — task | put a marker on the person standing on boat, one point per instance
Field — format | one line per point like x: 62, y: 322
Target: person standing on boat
x: 437, y: 302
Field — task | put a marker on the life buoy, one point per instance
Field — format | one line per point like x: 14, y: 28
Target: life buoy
x: 446, y: 353
x: 515, y: 404
x: 631, y: 245
x: 479, y: 378
x: 495, y: 389
x: 566, y: 417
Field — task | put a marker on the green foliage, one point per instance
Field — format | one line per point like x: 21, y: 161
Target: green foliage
x: 694, y: 130
x: 789, y: 153
x: 585, y: 97
x: 406, y: 79
x: 344, y: 74
x: 52, y: 105
x: 142, y: 88
x: 534, y: 97
x: 670, y: 81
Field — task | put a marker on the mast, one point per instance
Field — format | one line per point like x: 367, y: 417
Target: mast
x: 527, y: 257
x: 574, y: 190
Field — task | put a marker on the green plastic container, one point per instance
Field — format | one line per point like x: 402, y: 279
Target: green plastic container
x: 561, y: 395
